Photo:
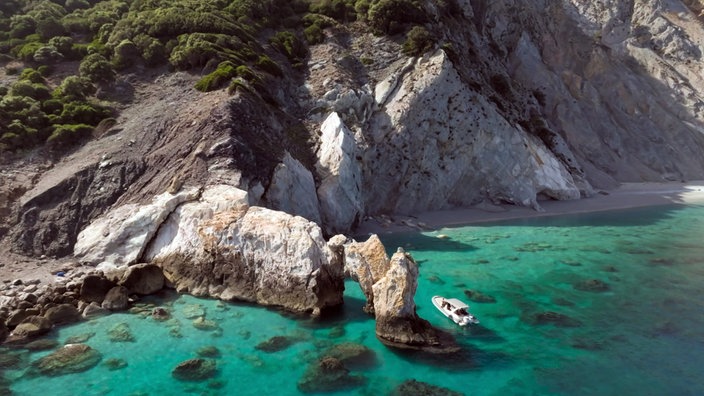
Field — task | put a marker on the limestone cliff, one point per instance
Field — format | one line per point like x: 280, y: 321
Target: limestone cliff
x: 515, y: 101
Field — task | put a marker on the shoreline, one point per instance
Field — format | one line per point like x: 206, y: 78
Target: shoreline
x: 626, y: 196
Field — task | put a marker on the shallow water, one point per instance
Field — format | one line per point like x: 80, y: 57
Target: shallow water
x: 639, y: 330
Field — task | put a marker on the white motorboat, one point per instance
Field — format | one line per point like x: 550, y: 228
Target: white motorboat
x: 455, y: 310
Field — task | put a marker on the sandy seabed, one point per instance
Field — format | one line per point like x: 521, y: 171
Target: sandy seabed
x: 626, y: 196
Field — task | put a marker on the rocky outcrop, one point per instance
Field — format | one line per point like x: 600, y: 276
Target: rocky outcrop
x: 436, y: 142
x: 120, y: 237
x: 143, y: 279
x: 32, y: 326
x: 340, y: 189
x: 397, y: 323
x: 194, y: 370
x: 259, y: 255
x: 62, y: 314
x: 292, y: 190
x: 366, y: 263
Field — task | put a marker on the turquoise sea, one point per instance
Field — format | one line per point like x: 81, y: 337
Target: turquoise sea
x: 605, y: 303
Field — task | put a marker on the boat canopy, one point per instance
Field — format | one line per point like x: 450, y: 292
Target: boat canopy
x: 456, y: 303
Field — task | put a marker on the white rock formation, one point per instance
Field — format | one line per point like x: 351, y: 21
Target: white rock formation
x: 120, y: 237
x: 340, y: 191
x: 292, y: 190
x: 366, y: 263
x: 259, y: 255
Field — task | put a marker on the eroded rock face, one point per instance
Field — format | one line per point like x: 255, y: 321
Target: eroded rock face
x: 397, y: 323
x: 120, y: 237
x: 436, y: 142
x: 367, y: 263
x: 292, y: 190
x: 260, y: 255
x: 340, y: 191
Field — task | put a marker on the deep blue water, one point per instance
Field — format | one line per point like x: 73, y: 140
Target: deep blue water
x: 596, y: 304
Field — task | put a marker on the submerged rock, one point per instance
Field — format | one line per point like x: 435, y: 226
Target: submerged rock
x: 115, y: 364
x: 160, y: 314
x: 11, y: 360
x: 121, y: 333
x: 205, y: 324
x: 41, y: 345
x: 195, y: 370
x: 417, y: 388
x: 479, y: 297
x: 352, y: 354
x: 275, y: 344
x: 79, y: 339
x: 71, y: 358
x: 553, y: 318
x: 592, y: 285
x: 208, y: 351
x: 328, y: 375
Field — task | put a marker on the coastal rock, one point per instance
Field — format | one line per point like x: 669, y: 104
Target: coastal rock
x: 352, y: 355
x: 160, y: 314
x: 366, y: 263
x: 340, y: 189
x: 3, y: 332
x: 116, y: 299
x: 63, y: 314
x: 114, y: 364
x: 120, y: 237
x: 143, y: 279
x: 275, y: 344
x: 328, y: 375
x: 93, y: 310
x: 194, y: 370
x: 208, y: 351
x: 17, y: 316
x: 397, y: 323
x: 32, y: 326
x: 259, y: 255
x: 95, y: 287
x: 292, y: 190
x: 42, y: 344
x: 71, y: 358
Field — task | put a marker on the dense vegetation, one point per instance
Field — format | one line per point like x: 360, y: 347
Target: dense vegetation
x: 231, y: 43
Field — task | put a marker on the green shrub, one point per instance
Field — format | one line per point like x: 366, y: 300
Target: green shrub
x: 47, y: 55
x: 217, y: 79
x: 341, y: 10
x: 83, y: 113
x: 265, y: 64
x: 74, y: 88
x: 288, y: 44
x: 314, y: 34
x: 419, y: 40
x: 52, y: 106
x: 26, y: 51
x: 392, y: 16
x: 44, y: 70
x: 69, y: 134
x: 126, y: 55
x: 31, y: 75
x: 96, y: 68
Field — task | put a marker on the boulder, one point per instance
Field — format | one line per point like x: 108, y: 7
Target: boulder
x: 42, y: 344
x: 120, y: 333
x: 17, y: 316
x: 194, y: 370
x: 366, y: 263
x: 352, y: 354
x: 32, y: 326
x: 397, y: 323
x: 71, y: 358
x: 116, y: 299
x: 275, y: 344
x: 259, y: 255
x: 143, y: 279
x: 328, y: 375
x: 63, y: 314
x: 93, y: 310
x: 160, y: 314
x: 94, y: 288
x: 120, y: 237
